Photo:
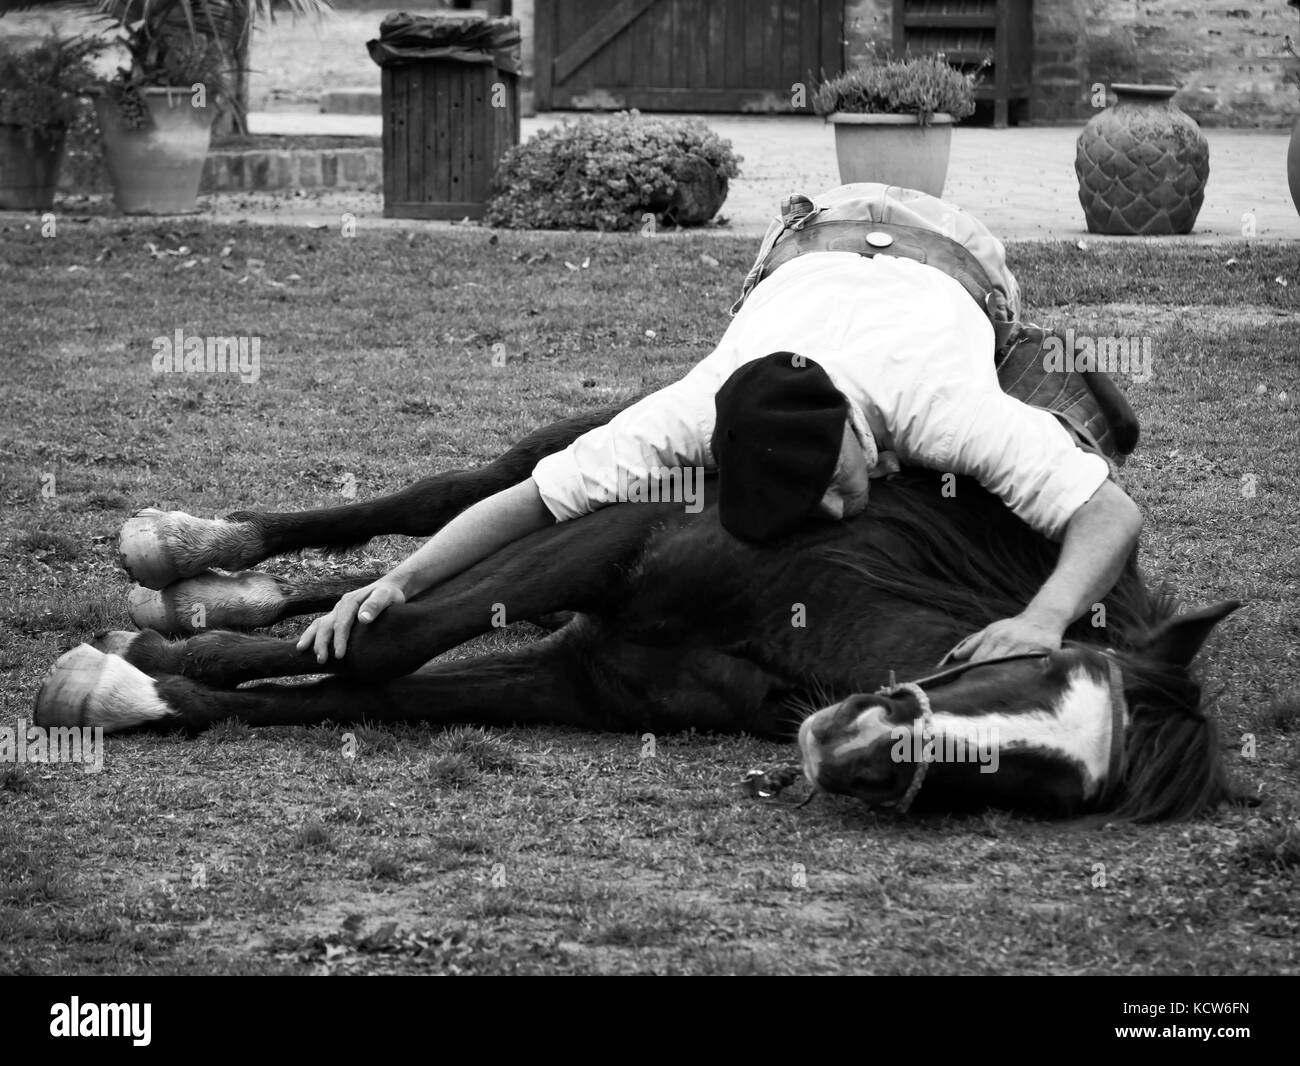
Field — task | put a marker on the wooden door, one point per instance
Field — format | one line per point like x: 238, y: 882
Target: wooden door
x: 684, y: 55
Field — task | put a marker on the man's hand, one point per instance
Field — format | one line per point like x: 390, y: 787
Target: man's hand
x: 1009, y: 636
x: 1098, y: 538
x: 472, y: 535
x: 364, y: 605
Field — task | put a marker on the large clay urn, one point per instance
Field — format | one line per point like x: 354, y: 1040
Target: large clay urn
x: 1142, y: 165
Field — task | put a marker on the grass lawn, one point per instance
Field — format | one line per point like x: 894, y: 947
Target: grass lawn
x: 551, y: 850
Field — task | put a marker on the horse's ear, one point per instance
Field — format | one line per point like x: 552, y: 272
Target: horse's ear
x: 1178, y: 640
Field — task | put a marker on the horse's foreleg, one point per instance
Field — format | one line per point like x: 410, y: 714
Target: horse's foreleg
x: 538, y: 684
x: 580, y: 676
x: 577, y: 565
x: 158, y: 548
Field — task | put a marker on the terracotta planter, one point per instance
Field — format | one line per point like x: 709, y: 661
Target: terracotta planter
x: 29, y: 167
x: 893, y: 150
x: 156, y: 171
x: 1293, y: 165
x: 1142, y: 165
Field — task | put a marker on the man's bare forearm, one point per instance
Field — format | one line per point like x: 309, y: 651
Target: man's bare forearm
x: 1098, y: 539
x: 473, y: 535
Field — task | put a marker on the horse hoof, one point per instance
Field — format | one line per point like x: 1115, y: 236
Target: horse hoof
x: 143, y: 555
x: 67, y: 687
x: 86, y: 687
x: 148, y: 610
x: 114, y: 642
x: 210, y: 601
x: 158, y: 548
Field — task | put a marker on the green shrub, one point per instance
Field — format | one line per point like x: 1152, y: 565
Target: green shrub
x: 922, y: 86
x: 603, y: 174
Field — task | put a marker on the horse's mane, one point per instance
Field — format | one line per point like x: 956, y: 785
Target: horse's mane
x: 978, y: 563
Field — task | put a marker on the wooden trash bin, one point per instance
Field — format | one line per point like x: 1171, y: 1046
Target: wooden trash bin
x: 450, y: 102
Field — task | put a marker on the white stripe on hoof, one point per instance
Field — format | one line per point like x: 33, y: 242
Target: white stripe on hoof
x: 158, y: 548
x: 210, y: 601
x: 85, y: 687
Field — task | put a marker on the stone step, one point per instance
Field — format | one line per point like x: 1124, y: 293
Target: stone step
x: 295, y: 168
x: 270, y: 170
x: 357, y: 100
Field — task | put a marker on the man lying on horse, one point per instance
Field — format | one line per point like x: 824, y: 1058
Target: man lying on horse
x: 838, y: 366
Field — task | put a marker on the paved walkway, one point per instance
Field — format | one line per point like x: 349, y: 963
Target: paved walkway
x: 1019, y: 181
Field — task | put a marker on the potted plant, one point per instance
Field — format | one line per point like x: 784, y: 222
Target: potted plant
x: 39, y: 86
x: 893, y: 120
x: 155, y: 115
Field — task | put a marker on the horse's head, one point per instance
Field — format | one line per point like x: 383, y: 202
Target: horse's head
x: 1075, y: 730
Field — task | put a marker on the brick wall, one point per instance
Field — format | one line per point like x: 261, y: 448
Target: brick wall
x: 1226, y: 56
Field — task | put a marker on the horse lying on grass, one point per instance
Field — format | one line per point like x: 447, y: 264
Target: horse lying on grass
x: 673, y: 624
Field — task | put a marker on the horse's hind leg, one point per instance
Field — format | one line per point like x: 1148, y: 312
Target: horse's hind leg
x: 249, y: 600
x: 236, y: 601
x: 158, y: 548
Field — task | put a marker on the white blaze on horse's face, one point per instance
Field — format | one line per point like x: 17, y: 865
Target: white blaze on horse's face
x: 998, y: 729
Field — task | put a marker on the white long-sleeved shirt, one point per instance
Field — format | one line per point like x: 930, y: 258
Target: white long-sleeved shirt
x: 911, y: 352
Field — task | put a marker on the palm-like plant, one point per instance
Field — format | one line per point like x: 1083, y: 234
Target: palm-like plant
x: 180, y: 42
x: 39, y: 84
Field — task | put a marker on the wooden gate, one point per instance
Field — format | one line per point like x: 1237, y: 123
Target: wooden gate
x: 684, y: 55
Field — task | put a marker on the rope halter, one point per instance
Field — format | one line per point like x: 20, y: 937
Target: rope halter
x: 925, y: 723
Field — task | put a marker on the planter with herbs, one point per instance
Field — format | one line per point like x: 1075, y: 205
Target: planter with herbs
x: 893, y: 120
